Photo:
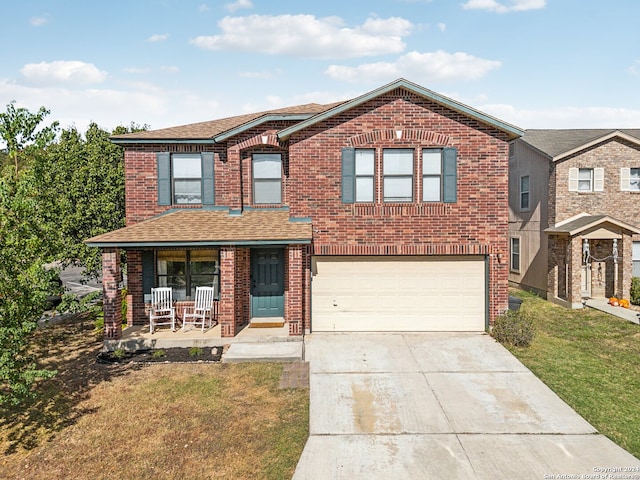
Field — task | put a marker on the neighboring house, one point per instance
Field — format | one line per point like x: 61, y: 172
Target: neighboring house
x: 574, y: 216
x: 387, y: 212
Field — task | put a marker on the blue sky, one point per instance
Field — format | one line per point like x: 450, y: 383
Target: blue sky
x: 533, y: 63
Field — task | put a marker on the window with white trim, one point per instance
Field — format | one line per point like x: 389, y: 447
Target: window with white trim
x: 636, y: 259
x: 524, y: 193
x: 186, y: 173
x: 432, y: 175
x: 634, y: 179
x: 364, y: 175
x: 397, y: 171
x: 515, y: 254
x: 585, y: 180
x: 267, y: 178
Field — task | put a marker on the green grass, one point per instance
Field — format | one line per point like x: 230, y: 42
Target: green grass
x: 592, y: 361
x: 161, y: 421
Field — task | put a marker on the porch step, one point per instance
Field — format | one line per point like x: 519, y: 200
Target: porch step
x: 264, y: 352
x: 267, y: 322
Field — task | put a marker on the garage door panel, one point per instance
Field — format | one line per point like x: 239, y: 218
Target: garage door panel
x: 398, y: 294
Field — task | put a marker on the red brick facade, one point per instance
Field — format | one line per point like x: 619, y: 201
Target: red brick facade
x: 476, y: 224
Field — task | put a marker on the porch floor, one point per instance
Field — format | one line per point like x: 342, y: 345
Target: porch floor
x: 602, y: 304
x: 138, y: 337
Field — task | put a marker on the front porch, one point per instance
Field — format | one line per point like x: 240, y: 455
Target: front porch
x: 589, y: 258
x: 138, y: 337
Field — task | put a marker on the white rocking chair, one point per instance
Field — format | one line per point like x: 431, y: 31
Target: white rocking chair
x: 202, y: 308
x: 162, y: 308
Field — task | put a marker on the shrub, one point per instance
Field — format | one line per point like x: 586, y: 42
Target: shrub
x: 635, y: 290
x: 514, y: 328
x: 195, y: 351
x: 158, y: 353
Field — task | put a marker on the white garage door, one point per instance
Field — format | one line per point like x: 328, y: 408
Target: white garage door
x: 398, y: 294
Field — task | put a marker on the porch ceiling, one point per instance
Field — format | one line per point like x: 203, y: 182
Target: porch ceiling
x: 210, y: 227
x: 583, y: 223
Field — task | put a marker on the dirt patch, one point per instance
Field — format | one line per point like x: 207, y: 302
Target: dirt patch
x: 167, y: 355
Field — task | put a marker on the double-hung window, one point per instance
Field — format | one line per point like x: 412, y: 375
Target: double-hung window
x: 397, y: 170
x: 364, y: 175
x: 432, y: 175
x: 585, y: 180
x: 524, y: 193
x: 185, y: 178
x: 184, y: 270
x: 267, y: 178
x: 515, y: 254
x: 636, y: 259
x: 630, y: 179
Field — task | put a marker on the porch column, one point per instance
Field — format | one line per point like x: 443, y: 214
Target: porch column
x: 226, y: 312
x: 135, y: 296
x: 554, y: 261
x: 294, y: 307
x: 625, y: 266
x: 112, y: 301
x: 574, y: 289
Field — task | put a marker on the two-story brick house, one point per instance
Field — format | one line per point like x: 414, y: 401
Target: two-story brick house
x: 387, y: 212
x: 574, y: 216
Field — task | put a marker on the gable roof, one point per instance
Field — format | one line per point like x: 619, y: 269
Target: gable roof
x: 583, y: 222
x: 199, y: 227
x: 559, y: 144
x: 511, y: 130
x: 209, y: 132
x: 303, y: 115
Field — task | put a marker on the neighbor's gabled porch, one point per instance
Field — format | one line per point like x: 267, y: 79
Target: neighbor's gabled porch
x: 240, y: 252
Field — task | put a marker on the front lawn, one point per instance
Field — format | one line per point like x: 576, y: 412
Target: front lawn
x: 161, y: 421
x: 592, y: 361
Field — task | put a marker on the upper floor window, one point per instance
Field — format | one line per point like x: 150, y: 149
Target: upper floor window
x: 361, y: 180
x: 515, y: 254
x: 630, y: 179
x: 267, y: 178
x: 397, y: 171
x: 364, y: 175
x: 586, y: 179
x: 636, y: 259
x: 524, y: 193
x: 432, y: 175
x: 185, y: 178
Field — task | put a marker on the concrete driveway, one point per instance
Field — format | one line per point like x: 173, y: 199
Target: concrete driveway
x: 421, y: 406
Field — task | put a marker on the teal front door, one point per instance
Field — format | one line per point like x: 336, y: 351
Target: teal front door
x: 267, y: 282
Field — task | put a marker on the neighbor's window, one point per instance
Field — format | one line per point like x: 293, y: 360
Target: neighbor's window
x: 186, y: 172
x: 515, y: 254
x: 432, y: 175
x: 397, y: 170
x: 636, y: 259
x: 585, y: 180
x: 634, y: 180
x: 364, y: 173
x: 184, y: 270
x: 524, y: 192
x: 267, y: 178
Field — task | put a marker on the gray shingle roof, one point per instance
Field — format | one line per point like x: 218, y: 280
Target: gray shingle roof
x: 557, y: 142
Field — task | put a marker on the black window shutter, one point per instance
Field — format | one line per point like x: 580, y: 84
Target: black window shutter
x: 148, y: 271
x: 450, y: 175
x: 208, y: 183
x: 348, y: 175
x: 164, y: 178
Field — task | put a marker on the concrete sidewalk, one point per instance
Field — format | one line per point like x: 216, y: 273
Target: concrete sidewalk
x: 439, y: 406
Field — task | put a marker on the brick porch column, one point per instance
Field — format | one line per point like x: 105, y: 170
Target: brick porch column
x: 294, y: 310
x: 135, y: 298
x: 574, y: 289
x: 625, y: 266
x: 227, y: 305
x: 112, y: 302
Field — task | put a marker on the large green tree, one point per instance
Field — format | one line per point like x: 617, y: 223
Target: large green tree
x: 22, y: 132
x: 81, y: 185
x: 24, y: 284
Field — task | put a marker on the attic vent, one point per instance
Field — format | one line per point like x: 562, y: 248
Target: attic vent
x: 398, y: 134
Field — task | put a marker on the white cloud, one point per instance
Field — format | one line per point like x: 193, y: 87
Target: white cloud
x: 136, y: 70
x: 504, y: 7
x: 238, y: 4
x: 63, y: 72
x: 442, y: 27
x: 264, y: 75
x: 565, y: 116
x: 158, y: 37
x: 39, y: 21
x: 635, y: 68
x: 307, y: 36
x: 203, y: 8
x: 426, y: 67
x: 170, y: 69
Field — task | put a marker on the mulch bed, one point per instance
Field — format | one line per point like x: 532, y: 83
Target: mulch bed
x: 166, y: 355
